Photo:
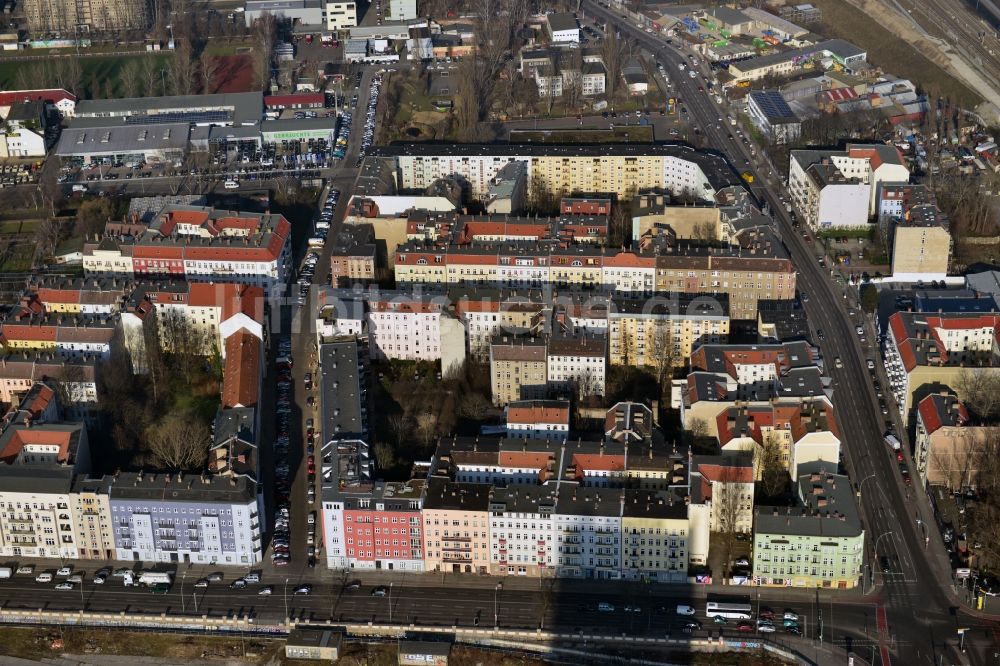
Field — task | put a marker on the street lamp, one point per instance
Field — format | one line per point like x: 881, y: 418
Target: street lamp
x: 286, y: 599
x: 390, y: 602
x: 496, y: 605
x: 862, y: 484
x: 183, y: 576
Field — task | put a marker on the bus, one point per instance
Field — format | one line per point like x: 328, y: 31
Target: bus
x: 730, y: 611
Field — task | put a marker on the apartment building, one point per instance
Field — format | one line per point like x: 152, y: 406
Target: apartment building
x: 921, y: 244
x: 655, y: 537
x: 91, y: 505
x: 611, y: 169
x: 456, y: 527
x: 197, y: 244
x: 518, y: 369
x: 77, y: 375
x: 538, y: 419
x: 648, y: 332
x: 407, y: 327
x: 725, y: 483
x: 92, y: 296
x: 41, y: 458
x: 741, y: 376
x: 487, y: 313
x: 522, y: 530
x: 186, y: 518
x: 948, y: 446
x: 827, y: 187
x: 68, y: 18
x: 577, y: 364
x: 925, y: 351
x: 353, y: 255
x: 819, y: 543
x: 192, y: 315
x: 29, y: 328
x: 824, y: 196
x: 587, y: 528
x: 758, y: 269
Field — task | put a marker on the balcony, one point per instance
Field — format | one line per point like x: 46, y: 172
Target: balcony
x: 456, y: 559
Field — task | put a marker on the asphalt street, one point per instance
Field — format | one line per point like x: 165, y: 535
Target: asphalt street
x: 921, y: 618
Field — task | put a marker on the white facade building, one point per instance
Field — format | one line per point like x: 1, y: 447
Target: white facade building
x: 577, y: 364
x: 588, y: 532
x: 522, y: 530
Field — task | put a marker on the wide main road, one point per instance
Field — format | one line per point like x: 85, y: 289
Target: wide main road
x: 917, y: 619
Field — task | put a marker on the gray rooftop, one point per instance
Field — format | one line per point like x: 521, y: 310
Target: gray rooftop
x: 244, y: 108
x: 117, y: 137
x: 341, y: 385
x: 562, y: 21
x: 715, y: 167
x: 299, y: 124
x: 827, y: 509
x: 183, y: 488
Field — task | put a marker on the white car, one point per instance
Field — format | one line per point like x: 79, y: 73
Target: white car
x: 64, y: 571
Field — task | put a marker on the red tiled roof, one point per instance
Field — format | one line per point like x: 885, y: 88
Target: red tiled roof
x: 28, y: 436
x: 537, y: 413
x: 51, y: 95
x: 240, y: 379
x: 524, y: 459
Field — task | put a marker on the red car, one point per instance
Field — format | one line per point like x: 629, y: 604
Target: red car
x: 311, y: 461
x: 744, y: 626
x: 899, y: 456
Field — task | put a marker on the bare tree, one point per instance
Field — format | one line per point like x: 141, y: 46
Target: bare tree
x: 613, y: 52
x: 980, y: 390
x: 182, y: 71
x: 426, y: 428
x: 179, y: 441
x: 264, y: 34
x: 151, y: 78
x: 209, y: 73
x: 130, y: 78
x: 696, y: 428
x: 730, y: 504
x: 47, y: 236
x: 664, y: 355
x: 771, y: 466
x: 496, y: 23
x: 384, y: 455
x: 399, y: 428
x: 473, y: 405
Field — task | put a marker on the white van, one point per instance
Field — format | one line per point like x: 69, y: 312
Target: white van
x: 231, y: 185
x: 605, y: 607
x: 683, y: 609
x: 79, y: 188
x: 43, y: 578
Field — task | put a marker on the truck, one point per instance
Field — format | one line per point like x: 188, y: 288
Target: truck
x: 892, y: 441
x: 148, y: 578
x: 6, y: 572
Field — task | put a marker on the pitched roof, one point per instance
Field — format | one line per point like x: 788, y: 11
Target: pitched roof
x: 241, y: 375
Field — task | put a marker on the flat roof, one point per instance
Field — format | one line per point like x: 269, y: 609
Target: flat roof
x: 715, y: 167
x: 123, y: 139
x: 298, y: 125
x: 247, y: 108
x: 562, y: 21
x: 340, y: 381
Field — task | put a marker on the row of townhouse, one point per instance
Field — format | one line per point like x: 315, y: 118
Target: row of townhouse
x: 597, y: 509
x: 197, y: 244
x: 610, y: 169
x: 51, y: 507
x: 746, y: 275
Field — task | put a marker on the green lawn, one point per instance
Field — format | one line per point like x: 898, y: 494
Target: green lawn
x: 97, y: 69
x: 19, y: 259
